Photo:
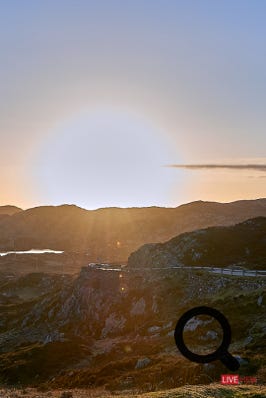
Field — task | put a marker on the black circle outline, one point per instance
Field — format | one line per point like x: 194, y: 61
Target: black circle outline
x: 221, y: 350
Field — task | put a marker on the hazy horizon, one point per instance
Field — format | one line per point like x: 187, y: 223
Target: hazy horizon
x: 129, y: 207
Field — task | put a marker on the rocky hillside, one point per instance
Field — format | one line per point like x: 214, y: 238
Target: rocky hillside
x: 243, y: 245
x: 111, y: 234
x: 114, y: 329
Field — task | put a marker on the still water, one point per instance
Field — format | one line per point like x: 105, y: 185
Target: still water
x: 32, y: 251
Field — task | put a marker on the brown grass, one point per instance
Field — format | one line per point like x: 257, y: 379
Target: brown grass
x: 197, y: 391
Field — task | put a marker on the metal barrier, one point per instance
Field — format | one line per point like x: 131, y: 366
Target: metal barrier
x: 231, y: 271
x: 214, y: 270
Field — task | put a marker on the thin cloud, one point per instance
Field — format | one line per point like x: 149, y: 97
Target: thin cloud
x: 256, y: 167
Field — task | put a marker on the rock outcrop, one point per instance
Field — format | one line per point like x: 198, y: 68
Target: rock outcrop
x: 240, y: 245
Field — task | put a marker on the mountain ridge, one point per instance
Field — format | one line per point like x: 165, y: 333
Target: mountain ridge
x: 111, y: 234
x: 9, y: 210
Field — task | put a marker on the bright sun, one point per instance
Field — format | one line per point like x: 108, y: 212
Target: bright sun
x: 105, y: 159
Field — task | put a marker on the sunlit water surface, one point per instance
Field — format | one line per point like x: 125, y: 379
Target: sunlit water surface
x: 32, y: 251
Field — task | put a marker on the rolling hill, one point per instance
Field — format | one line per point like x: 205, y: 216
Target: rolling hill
x: 111, y: 234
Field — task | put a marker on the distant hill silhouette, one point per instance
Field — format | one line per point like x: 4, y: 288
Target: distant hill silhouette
x: 9, y: 210
x: 111, y: 234
x: 242, y: 244
x: 6, y: 211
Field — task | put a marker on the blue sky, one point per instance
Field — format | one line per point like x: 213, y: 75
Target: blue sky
x: 193, y: 71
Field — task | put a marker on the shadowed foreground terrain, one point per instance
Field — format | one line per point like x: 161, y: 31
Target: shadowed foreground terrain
x: 199, y: 391
x: 114, y: 330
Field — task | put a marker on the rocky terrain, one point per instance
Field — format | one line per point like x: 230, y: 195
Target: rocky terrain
x: 111, y: 329
x: 241, y: 245
x: 111, y: 234
x: 114, y: 329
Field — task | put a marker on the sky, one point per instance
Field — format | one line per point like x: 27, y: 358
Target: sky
x: 108, y: 103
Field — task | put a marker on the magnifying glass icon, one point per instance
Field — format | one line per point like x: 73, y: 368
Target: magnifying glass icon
x: 221, y: 352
